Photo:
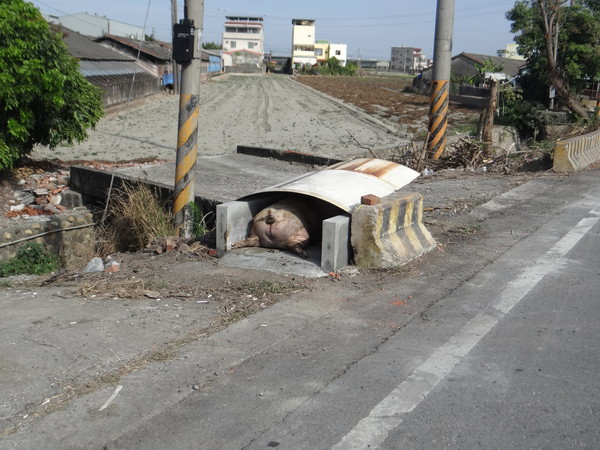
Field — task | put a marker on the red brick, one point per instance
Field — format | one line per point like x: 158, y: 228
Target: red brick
x: 369, y: 199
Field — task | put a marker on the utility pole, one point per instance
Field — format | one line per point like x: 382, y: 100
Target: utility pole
x: 187, y: 49
x: 442, y: 54
x: 175, y: 65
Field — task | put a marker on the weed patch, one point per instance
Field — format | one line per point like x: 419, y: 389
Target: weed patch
x: 31, y: 259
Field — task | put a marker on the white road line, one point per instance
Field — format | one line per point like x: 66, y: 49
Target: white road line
x: 371, y: 431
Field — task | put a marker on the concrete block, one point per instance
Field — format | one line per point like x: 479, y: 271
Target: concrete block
x: 577, y: 153
x: 234, y: 221
x: 335, y: 251
x: 71, y: 199
x: 391, y: 233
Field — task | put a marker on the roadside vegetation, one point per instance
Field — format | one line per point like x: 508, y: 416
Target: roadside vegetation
x: 134, y: 217
x: 31, y: 259
x: 44, y: 99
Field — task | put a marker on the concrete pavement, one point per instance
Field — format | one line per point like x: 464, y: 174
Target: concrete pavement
x: 316, y: 362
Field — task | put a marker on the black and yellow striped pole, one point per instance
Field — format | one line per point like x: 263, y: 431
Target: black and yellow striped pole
x: 187, y: 49
x: 440, y: 94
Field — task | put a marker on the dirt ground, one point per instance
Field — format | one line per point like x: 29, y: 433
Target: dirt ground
x: 386, y: 97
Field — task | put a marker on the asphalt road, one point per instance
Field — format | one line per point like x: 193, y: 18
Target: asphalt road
x: 492, y: 345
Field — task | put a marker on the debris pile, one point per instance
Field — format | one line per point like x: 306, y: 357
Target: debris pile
x: 468, y: 154
x: 35, y: 191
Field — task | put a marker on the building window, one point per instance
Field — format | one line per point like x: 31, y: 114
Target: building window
x: 338, y: 52
x: 318, y: 52
x: 251, y: 45
x: 232, y: 45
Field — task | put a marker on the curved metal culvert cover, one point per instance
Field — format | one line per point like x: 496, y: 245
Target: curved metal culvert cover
x: 344, y: 184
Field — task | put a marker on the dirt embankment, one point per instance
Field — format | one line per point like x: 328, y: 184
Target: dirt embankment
x: 389, y: 98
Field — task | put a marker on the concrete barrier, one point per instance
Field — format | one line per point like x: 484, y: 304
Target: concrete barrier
x: 571, y: 155
x: 390, y: 233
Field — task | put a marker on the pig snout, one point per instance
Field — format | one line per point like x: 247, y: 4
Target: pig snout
x: 270, y: 220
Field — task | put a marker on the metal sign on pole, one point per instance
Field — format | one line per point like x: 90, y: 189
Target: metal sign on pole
x: 187, y: 49
x: 440, y: 94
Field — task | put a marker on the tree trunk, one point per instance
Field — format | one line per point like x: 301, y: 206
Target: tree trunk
x: 488, y: 120
x: 549, y: 16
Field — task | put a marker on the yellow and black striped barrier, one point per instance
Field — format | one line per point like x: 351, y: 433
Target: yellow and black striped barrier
x: 438, y: 118
x: 390, y: 233
x: 187, y: 148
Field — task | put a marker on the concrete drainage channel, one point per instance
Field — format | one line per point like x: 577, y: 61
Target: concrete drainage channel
x: 366, y: 214
x: 362, y: 219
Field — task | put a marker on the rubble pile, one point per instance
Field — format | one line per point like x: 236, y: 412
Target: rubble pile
x: 35, y: 192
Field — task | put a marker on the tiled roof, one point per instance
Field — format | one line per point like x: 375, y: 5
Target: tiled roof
x: 509, y: 66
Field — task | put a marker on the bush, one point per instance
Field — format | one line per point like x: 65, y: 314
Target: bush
x: 334, y: 67
x: 517, y: 112
x: 31, y: 259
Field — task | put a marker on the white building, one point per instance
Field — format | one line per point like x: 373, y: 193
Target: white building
x: 97, y: 26
x: 303, y: 42
x: 407, y: 60
x: 339, y: 52
x: 243, y: 40
x: 512, y: 51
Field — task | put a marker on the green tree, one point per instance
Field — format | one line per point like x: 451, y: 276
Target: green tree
x: 211, y: 46
x: 43, y: 97
x: 561, y: 41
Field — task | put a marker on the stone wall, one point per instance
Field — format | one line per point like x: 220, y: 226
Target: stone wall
x: 69, y: 235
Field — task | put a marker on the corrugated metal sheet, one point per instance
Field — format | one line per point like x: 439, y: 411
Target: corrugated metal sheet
x: 108, y: 68
x: 155, y: 49
x: 343, y: 184
x: 82, y: 47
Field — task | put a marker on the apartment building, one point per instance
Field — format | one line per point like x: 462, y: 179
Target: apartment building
x: 243, y: 41
x: 303, y: 42
x: 407, y: 60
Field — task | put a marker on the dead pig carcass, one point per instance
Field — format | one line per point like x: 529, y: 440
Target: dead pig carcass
x: 287, y: 224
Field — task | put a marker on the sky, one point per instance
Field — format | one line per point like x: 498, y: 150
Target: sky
x: 369, y: 28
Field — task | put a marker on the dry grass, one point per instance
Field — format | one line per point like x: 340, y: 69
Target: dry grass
x: 134, y: 219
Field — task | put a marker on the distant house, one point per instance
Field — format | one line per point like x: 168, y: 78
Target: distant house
x: 512, y: 51
x: 113, y: 72
x: 339, y: 52
x: 325, y: 50
x: 375, y: 64
x: 321, y: 51
x: 96, y: 26
x: 243, y: 44
x: 303, y: 42
x: 407, y: 60
x: 467, y: 64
